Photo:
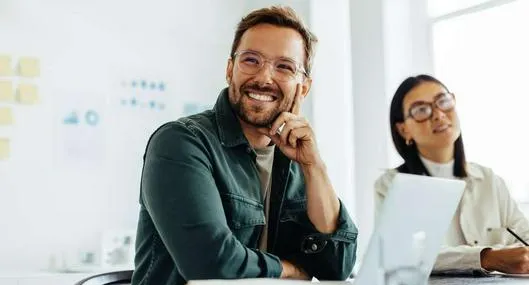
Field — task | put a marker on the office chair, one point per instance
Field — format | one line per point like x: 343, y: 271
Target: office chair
x: 109, y: 278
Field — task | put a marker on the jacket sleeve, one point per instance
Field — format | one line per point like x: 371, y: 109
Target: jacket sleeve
x: 179, y: 192
x: 460, y: 258
x: 466, y: 257
x: 329, y: 256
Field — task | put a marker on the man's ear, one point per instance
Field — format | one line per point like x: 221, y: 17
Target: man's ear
x: 305, y: 86
x: 229, y: 71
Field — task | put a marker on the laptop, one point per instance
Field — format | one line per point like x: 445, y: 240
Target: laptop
x: 410, y: 230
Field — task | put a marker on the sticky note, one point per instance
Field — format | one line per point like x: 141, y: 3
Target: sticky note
x: 29, y: 67
x: 6, y: 116
x: 27, y: 94
x: 5, y: 65
x: 4, y: 148
x: 6, y: 91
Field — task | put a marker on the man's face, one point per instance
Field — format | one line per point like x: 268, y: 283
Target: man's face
x: 259, y: 98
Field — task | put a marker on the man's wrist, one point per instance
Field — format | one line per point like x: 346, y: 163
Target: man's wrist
x: 286, y: 269
x: 316, y: 168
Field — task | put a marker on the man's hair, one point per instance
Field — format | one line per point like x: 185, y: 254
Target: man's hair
x: 282, y: 17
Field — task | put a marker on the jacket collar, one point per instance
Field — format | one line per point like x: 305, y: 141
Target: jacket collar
x: 229, y: 127
x: 474, y: 172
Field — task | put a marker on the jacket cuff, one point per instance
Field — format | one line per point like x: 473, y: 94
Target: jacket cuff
x: 346, y: 231
x: 473, y: 259
x: 271, y: 265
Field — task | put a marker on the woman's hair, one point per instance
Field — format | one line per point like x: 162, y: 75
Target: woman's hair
x: 410, y: 154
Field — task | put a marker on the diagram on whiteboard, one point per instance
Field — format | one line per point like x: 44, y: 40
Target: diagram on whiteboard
x: 88, y: 117
x: 144, y: 94
x: 80, y: 128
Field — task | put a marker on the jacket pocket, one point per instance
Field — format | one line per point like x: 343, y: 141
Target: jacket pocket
x: 245, y: 218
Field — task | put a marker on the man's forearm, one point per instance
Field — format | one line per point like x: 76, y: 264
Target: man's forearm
x: 323, y: 206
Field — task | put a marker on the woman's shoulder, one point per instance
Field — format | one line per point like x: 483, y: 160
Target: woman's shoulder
x: 384, y: 181
x: 478, y: 171
x: 485, y: 178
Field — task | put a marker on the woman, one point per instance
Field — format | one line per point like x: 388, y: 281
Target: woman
x: 426, y: 133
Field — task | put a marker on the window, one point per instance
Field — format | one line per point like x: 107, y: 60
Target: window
x: 483, y: 57
x: 442, y: 7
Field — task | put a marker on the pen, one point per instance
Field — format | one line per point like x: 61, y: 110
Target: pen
x: 517, y: 237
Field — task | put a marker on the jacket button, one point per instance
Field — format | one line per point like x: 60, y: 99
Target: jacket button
x: 314, y: 247
x: 248, y: 150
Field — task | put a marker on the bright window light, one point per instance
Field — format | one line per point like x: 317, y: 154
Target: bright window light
x: 483, y: 57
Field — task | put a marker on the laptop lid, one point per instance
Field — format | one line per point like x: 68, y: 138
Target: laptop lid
x: 410, y: 230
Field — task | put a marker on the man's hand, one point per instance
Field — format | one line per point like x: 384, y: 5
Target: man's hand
x: 510, y: 260
x: 291, y: 271
x: 296, y: 139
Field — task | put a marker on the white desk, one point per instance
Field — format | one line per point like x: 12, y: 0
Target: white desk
x: 40, y: 278
x: 443, y: 280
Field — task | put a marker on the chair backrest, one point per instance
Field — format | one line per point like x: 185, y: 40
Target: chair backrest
x: 116, y: 277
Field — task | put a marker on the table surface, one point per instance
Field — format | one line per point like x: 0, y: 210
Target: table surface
x: 434, y: 280
x: 444, y: 280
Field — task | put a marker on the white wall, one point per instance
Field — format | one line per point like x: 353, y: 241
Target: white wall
x: 53, y: 204
x: 332, y: 95
x: 369, y: 99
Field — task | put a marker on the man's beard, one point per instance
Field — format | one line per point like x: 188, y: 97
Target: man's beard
x: 245, y: 112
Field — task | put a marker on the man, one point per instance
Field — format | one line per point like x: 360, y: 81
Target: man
x: 240, y: 191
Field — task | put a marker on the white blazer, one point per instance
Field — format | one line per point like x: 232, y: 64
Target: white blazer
x: 486, y: 209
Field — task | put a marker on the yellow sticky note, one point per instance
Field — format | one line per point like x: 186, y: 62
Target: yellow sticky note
x: 6, y: 116
x: 29, y: 67
x: 4, y: 148
x: 5, y: 65
x: 27, y: 93
x: 6, y: 91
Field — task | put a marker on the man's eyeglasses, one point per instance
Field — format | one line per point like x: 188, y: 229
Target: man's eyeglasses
x: 421, y: 111
x: 284, y: 69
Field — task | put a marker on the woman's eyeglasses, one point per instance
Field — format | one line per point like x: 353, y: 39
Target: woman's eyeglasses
x: 421, y: 111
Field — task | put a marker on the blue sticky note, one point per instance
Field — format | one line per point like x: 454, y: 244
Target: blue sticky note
x: 133, y: 101
x: 134, y: 83
x: 143, y: 84
x: 152, y: 104
x: 161, y: 86
x: 153, y: 85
